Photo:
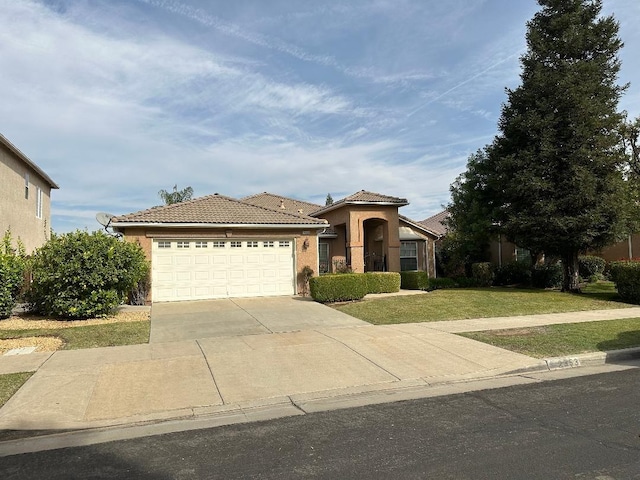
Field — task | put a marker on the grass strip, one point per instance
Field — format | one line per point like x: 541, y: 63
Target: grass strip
x: 458, y: 304
x: 10, y: 383
x: 92, y: 336
x: 565, y: 339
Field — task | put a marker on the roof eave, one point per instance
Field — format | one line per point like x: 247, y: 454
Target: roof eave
x: 337, y: 205
x: 119, y: 225
x: 16, y: 151
x: 420, y: 227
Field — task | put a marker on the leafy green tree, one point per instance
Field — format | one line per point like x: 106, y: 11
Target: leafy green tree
x: 176, y: 196
x: 12, y: 268
x: 81, y: 275
x: 329, y: 200
x: 552, y: 179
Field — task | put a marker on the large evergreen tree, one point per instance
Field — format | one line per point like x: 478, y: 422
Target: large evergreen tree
x: 552, y: 179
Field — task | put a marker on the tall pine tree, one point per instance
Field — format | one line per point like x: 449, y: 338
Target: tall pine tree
x: 553, y: 174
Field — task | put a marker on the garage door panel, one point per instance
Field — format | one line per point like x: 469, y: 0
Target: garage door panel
x: 242, y: 271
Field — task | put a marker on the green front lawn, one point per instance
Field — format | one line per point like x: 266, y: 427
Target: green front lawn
x: 10, y: 383
x: 566, y: 339
x: 457, y: 304
x: 90, y: 336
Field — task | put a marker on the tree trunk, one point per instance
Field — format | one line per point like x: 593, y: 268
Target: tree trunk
x: 571, y: 277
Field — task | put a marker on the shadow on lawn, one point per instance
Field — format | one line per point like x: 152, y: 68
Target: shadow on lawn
x: 628, y: 339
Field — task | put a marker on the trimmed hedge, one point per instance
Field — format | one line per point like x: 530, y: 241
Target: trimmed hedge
x: 441, y: 283
x: 414, y: 280
x: 590, y: 265
x: 340, y: 287
x: 626, y: 276
x: 383, y: 282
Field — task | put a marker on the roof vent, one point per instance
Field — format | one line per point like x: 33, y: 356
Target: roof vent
x: 282, y: 204
x: 299, y: 210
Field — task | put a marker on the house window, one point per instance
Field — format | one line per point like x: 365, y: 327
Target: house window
x: 236, y: 244
x: 252, y: 244
x: 522, y: 255
x: 164, y: 244
x: 26, y: 186
x: 182, y: 244
x: 202, y: 244
x: 408, y: 256
x: 268, y: 244
x: 284, y: 243
x: 217, y: 244
x: 39, y: 203
x: 323, y: 258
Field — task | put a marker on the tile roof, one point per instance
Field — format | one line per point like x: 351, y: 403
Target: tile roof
x: 414, y: 224
x: 215, y: 210
x: 280, y: 203
x: 4, y: 141
x: 435, y: 224
x: 363, y: 197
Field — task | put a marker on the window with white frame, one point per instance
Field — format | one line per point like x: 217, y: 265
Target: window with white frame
x: 522, y: 255
x: 408, y: 256
x: 268, y: 244
x: 284, y: 243
x: 164, y: 244
x: 202, y: 244
x: 182, y: 244
x: 217, y: 244
x: 252, y: 244
x: 39, y: 203
x: 235, y: 244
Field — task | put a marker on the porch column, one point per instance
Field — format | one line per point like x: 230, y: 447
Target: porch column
x: 355, y: 243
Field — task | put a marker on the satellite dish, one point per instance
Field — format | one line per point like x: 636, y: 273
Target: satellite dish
x: 104, y: 219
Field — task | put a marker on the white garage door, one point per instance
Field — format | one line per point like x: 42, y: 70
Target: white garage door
x: 202, y: 269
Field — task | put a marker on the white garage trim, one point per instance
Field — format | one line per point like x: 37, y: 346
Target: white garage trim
x: 199, y: 269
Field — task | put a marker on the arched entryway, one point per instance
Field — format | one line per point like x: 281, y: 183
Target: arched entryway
x: 376, y: 245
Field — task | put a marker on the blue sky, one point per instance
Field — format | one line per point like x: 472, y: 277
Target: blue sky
x: 116, y: 100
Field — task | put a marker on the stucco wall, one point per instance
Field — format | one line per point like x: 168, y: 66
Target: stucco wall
x: 18, y: 213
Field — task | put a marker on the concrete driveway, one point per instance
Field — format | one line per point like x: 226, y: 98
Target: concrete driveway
x: 178, y: 321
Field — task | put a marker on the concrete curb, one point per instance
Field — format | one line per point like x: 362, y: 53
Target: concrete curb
x: 593, y: 359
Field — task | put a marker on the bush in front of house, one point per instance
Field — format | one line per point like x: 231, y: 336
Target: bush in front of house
x: 441, y: 283
x: 482, y: 273
x: 383, y: 282
x: 12, y: 267
x: 82, y: 275
x: 338, y: 287
x: 513, y: 273
x: 590, y: 266
x: 414, y: 280
x: 626, y: 276
x: 548, y: 275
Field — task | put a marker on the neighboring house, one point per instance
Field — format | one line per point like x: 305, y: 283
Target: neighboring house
x: 25, y: 197
x: 217, y: 247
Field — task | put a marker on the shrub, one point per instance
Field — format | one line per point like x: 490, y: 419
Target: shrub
x: 338, y: 287
x: 12, y: 267
x: 414, y: 280
x: 82, y: 275
x: 383, y: 282
x: 440, y: 283
x: 590, y: 265
x: 626, y: 276
x: 482, y: 273
x: 465, y: 282
x: 548, y: 275
x: 513, y: 273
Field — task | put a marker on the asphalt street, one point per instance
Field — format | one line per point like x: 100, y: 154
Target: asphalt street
x: 585, y: 427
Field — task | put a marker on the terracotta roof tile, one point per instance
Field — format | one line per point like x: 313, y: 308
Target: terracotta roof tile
x: 364, y: 196
x: 215, y: 209
x: 435, y: 224
x: 277, y: 202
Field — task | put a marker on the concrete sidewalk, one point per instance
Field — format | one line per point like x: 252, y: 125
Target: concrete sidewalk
x: 159, y: 381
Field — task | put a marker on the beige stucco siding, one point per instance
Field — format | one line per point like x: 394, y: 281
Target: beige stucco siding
x: 17, y: 212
